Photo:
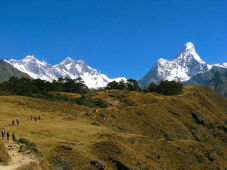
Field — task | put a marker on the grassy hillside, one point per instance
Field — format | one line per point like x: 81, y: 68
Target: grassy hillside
x: 7, y: 71
x: 4, y: 156
x: 137, y: 131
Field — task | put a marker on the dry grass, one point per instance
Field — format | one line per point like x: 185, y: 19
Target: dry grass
x: 4, y: 157
x: 141, y: 130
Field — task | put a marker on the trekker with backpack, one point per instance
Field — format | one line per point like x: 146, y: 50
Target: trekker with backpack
x: 8, y: 135
x: 13, y: 136
x: 17, y: 122
x: 3, y: 133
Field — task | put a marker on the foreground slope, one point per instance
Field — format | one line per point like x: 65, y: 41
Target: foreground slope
x: 137, y: 130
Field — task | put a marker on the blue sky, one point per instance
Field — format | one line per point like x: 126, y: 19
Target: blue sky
x: 116, y: 37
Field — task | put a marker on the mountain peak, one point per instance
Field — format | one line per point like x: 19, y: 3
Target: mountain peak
x: 189, y: 46
x: 188, y: 54
x: 68, y: 59
x: 29, y: 57
x: 186, y: 64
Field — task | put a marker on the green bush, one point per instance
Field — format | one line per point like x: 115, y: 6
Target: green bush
x: 40, y: 88
x: 26, y: 142
x: 130, y: 85
x: 166, y: 88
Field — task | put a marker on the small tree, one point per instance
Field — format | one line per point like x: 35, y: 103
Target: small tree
x: 132, y: 85
x: 152, y: 87
x: 166, y: 87
x: 170, y: 87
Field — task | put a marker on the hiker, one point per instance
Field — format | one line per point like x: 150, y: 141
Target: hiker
x: 13, y: 122
x: 3, y: 133
x: 17, y: 122
x: 39, y: 118
x: 8, y: 135
x: 13, y: 136
x: 31, y: 117
x: 35, y: 118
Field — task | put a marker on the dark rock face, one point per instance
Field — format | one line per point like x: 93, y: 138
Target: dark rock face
x: 62, y: 165
x: 215, y: 79
x: 218, y: 83
x: 100, y: 165
x: 67, y: 147
x: 119, y: 165
x: 198, y: 118
x: 204, y: 78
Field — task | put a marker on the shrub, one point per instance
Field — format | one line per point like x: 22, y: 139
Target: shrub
x: 95, y: 124
x: 26, y: 142
x: 130, y: 85
x: 166, y: 88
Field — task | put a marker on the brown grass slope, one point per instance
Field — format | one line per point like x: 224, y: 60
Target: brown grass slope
x: 4, y: 156
x: 136, y: 131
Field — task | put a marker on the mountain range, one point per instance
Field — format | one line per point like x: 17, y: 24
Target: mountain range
x: 187, y: 67
x: 68, y: 68
x: 186, y: 64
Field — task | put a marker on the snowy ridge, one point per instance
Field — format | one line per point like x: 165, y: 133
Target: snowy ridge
x: 68, y: 68
x: 224, y: 65
x: 186, y: 64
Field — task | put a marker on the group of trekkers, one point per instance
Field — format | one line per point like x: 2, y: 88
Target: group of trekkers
x: 35, y: 118
x: 15, y: 122
x: 3, y: 132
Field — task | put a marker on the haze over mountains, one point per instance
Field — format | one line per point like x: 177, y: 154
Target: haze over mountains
x: 68, y: 68
x: 186, y: 64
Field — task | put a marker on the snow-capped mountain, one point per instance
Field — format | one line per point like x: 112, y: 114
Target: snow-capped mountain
x: 186, y: 64
x: 68, y: 68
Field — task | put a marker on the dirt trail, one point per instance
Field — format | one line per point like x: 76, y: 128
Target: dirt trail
x: 19, y: 156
